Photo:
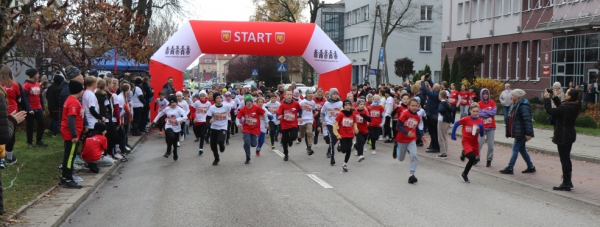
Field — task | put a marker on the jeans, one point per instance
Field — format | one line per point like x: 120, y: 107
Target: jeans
x: 519, y: 147
x: 104, y: 161
x: 36, y: 117
x: 505, y: 110
x: 261, y: 141
x: 249, y: 141
x: 54, y: 124
x: 464, y: 111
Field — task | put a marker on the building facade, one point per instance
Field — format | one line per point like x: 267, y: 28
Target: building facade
x: 211, y: 67
x: 350, y: 24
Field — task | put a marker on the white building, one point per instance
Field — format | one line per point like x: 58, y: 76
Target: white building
x: 349, y: 23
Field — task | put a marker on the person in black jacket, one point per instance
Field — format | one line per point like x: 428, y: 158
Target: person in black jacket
x: 71, y: 73
x: 52, y: 95
x: 148, y: 95
x: 565, y: 135
x: 519, y: 127
x: 445, y: 120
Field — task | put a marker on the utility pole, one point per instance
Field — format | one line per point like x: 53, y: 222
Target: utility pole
x: 372, y: 41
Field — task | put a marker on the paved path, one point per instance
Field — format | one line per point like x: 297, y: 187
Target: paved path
x: 586, y: 148
x: 153, y: 191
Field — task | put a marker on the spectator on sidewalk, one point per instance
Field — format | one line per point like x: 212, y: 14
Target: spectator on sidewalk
x: 71, y: 74
x: 565, y: 114
x: 433, y: 103
x: 71, y: 128
x: 94, y: 147
x: 506, y: 101
x: 590, y: 96
x: 34, y: 105
x: 520, y: 127
x: 168, y: 88
x: 53, y: 97
x: 13, y: 98
x: 138, y: 102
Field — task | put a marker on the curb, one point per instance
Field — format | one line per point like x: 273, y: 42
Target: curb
x: 515, y: 181
x: 60, y: 215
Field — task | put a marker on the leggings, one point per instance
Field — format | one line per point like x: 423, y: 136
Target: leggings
x: 171, y: 137
x: 217, y: 136
x: 36, y: 117
x: 374, y: 133
x: 360, y: 142
x: 199, y: 131
x: 471, y: 157
x: 111, y: 138
x: 261, y: 141
x: 387, y: 130
x: 287, y: 139
x: 316, y: 132
x: 346, y: 146
x: 11, y: 143
x: 272, y: 132
x: 332, y: 141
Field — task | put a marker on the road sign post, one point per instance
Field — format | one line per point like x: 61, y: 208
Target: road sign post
x: 254, y: 72
x: 281, y: 61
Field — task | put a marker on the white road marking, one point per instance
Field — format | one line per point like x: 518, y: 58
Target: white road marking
x: 279, y: 153
x: 319, y: 181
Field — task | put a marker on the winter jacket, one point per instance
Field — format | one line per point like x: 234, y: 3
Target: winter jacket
x: 565, y: 115
x: 53, y: 94
x: 520, y: 121
x: 561, y: 96
x: 446, y: 111
x: 505, y: 98
x: 7, y: 123
x: 168, y: 89
x: 105, y: 111
x: 433, y: 100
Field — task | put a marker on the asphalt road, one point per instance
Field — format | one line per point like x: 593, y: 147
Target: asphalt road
x: 151, y: 190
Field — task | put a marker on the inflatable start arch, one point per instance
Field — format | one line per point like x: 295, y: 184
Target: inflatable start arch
x: 251, y: 38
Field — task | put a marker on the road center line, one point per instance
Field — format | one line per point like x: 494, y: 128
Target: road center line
x: 278, y: 152
x: 319, y: 181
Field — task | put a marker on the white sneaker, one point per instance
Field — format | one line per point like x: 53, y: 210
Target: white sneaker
x: 361, y: 158
x: 373, y: 152
x: 181, y: 138
x: 77, y: 166
x: 178, y: 145
x: 77, y: 178
x: 381, y: 138
x: 118, y: 156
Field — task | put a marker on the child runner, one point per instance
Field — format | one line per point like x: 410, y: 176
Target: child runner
x: 175, y: 116
x: 250, y: 126
x: 263, y: 125
x: 329, y: 112
x: 309, y: 108
x: 362, y: 122
x: 407, y: 136
x: 183, y: 104
x: 288, y: 115
x: 487, y: 113
x: 200, y: 125
x: 218, y: 116
x: 160, y: 104
x: 231, y: 124
x: 471, y: 125
x: 71, y: 128
x: 94, y: 146
x: 396, y: 115
x: 344, y: 128
x: 319, y: 102
x: 453, y: 99
x: 463, y: 100
x: 273, y: 106
x: 376, y: 113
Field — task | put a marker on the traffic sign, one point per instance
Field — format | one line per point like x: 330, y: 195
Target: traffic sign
x: 373, y: 72
x: 282, y: 59
x: 281, y: 67
x: 254, y: 72
x: 381, y: 54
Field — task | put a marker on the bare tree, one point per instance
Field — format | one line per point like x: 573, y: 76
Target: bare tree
x: 161, y: 31
x: 278, y: 10
x: 397, y: 16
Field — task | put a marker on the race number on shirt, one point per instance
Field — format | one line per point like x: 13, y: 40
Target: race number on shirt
x: 359, y: 119
x: 334, y: 112
x: 202, y: 110
x: 411, y: 123
x: 272, y: 110
x: 35, y: 91
x: 289, y: 115
x: 250, y: 121
x: 375, y: 113
x: 347, y: 122
x: 487, y: 121
x: 469, y: 129
x: 172, y: 121
x: 221, y: 116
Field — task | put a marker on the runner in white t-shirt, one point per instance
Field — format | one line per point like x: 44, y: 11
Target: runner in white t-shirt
x: 160, y: 104
x: 219, y: 115
x: 201, y: 105
x: 309, y: 108
x: 272, y: 107
x: 174, y: 116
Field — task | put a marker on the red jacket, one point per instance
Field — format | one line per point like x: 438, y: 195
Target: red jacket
x: 93, y: 148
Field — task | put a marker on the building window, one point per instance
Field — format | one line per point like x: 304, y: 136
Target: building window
x: 208, y: 60
x: 347, y: 46
x: 515, y: 6
x: 474, y: 11
x: 459, y: 15
x: 426, y: 12
x: 355, y: 44
x: 425, y: 45
x: 467, y: 11
x: 507, y: 7
x: 516, y: 63
x: 527, y: 60
x: 365, y: 11
x: 489, y: 12
x: 332, y: 25
x: 537, y: 59
x: 482, y: 9
x: 498, y: 60
x: 507, y: 60
x: 498, y: 8
x: 364, y: 42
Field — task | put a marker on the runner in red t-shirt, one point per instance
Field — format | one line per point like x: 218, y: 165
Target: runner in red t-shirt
x: 34, y: 105
x: 362, y: 122
x: 487, y: 113
x: 252, y: 115
x: 344, y: 128
x: 288, y: 114
x: 463, y: 101
x: 406, y: 139
x: 375, y: 112
x: 472, y: 125
x: 71, y: 129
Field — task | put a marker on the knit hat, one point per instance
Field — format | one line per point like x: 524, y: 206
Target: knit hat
x: 71, y: 72
x: 518, y: 93
x: 248, y: 98
x: 418, y: 99
x: 75, y: 87
x: 347, y: 102
x: 556, y: 84
x: 203, y: 92
x: 309, y: 91
x: 334, y: 91
x: 100, y: 127
x: 216, y: 95
x: 360, y: 101
x: 224, y: 90
x: 94, y: 72
x: 179, y: 93
x: 196, y: 96
x: 138, y: 81
x: 31, y: 72
x: 227, y: 93
x: 296, y: 91
x: 172, y: 99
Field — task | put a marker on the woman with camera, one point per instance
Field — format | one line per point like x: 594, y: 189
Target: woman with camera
x: 565, y: 114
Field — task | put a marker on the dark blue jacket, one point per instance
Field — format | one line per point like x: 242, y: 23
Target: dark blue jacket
x: 433, y: 99
x: 446, y: 111
x: 522, y: 124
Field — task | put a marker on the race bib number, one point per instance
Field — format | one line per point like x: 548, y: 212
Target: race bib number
x: 221, y: 116
x: 289, y: 115
x: 468, y: 129
x: 359, y: 119
x: 451, y: 100
x: 463, y: 101
x: 307, y: 107
x: 172, y: 121
x: 333, y: 113
x: 347, y: 122
x: 375, y: 113
x: 411, y: 123
x: 202, y: 110
x: 272, y: 110
x: 250, y: 121
x: 487, y: 121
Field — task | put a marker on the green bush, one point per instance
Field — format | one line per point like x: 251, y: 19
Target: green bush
x: 541, y: 117
x: 585, y: 122
x: 535, y: 100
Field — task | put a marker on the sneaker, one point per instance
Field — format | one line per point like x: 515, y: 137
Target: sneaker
x: 285, y: 158
x: 200, y: 152
x: 181, y: 138
x: 77, y: 167
x: 388, y: 141
x: 2, y: 165
x: 373, y: 152
x: 477, y: 161
x: 78, y: 160
x: 30, y: 145
x: 506, y: 171
x: 77, y: 179
x: 310, y: 152
x: 197, y: 140
x: 442, y: 156
x: 465, y: 178
x: 48, y: 132
x: 175, y: 157
x: 328, y: 154
x: 227, y: 143
x: 11, y: 162
x: 216, y: 162
x: 118, y: 156
x: 178, y: 144
x: 258, y: 154
x: 345, y: 168
x: 361, y: 158
x: 529, y: 170
x: 489, y: 163
x: 332, y: 162
x: 70, y: 184
x: 160, y: 133
x: 247, y: 161
x: 272, y: 147
x: 412, y: 179
x: 562, y: 187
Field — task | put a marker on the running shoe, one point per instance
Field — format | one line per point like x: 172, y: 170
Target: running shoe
x: 77, y: 166
x: 272, y: 147
x: 465, y: 178
x: 181, y: 138
x: 200, y: 152
x: 489, y: 163
x: 361, y: 158
x: 70, y: 184
x: 118, y: 156
x: 373, y: 152
x: 77, y: 178
x: 30, y: 145
x: 78, y: 160
x: 332, y: 161
x: 160, y: 133
x: 247, y: 160
x: 48, y: 132
x: 442, y: 156
x: 257, y: 153
x: 285, y: 158
x: 412, y: 179
x: 2, y: 165
x: 178, y: 144
x: 11, y: 161
x: 310, y: 152
x: 476, y: 161
x: 345, y: 168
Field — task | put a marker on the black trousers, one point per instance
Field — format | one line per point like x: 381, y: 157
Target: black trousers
x: 171, y: 138
x: 54, y: 124
x: 288, y: 136
x: 432, y: 127
x: 564, y: 152
x: 374, y: 133
x: 36, y: 117
x: 346, y: 147
x: 272, y: 132
x: 111, y: 138
x: 11, y: 143
x: 394, y: 129
x: 217, y: 137
x: 471, y: 157
x: 361, y: 139
x: 332, y: 141
x: 200, y: 131
x: 316, y: 131
x: 387, y: 129
x: 145, y: 117
x: 137, y: 117
x: 68, y: 160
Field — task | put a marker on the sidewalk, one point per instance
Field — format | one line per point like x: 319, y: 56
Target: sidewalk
x: 53, y: 206
x: 586, y: 148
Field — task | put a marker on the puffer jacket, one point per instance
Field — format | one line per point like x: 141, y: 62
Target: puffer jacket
x: 520, y: 120
x: 565, y: 115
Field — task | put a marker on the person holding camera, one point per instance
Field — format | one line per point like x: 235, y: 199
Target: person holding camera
x: 565, y: 135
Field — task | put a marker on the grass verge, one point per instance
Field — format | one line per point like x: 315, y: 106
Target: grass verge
x: 35, y: 172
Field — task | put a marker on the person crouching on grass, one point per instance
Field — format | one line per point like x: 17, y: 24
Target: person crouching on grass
x: 250, y: 126
x: 175, y: 116
x: 344, y: 128
x: 94, y: 147
x: 472, y: 125
x: 407, y: 136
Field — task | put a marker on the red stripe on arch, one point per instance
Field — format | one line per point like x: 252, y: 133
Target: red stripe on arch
x: 337, y: 79
x: 160, y: 75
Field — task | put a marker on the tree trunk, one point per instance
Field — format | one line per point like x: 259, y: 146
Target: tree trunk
x: 305, y: 71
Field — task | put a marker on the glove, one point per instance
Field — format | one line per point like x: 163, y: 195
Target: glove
x: 453, y: 137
